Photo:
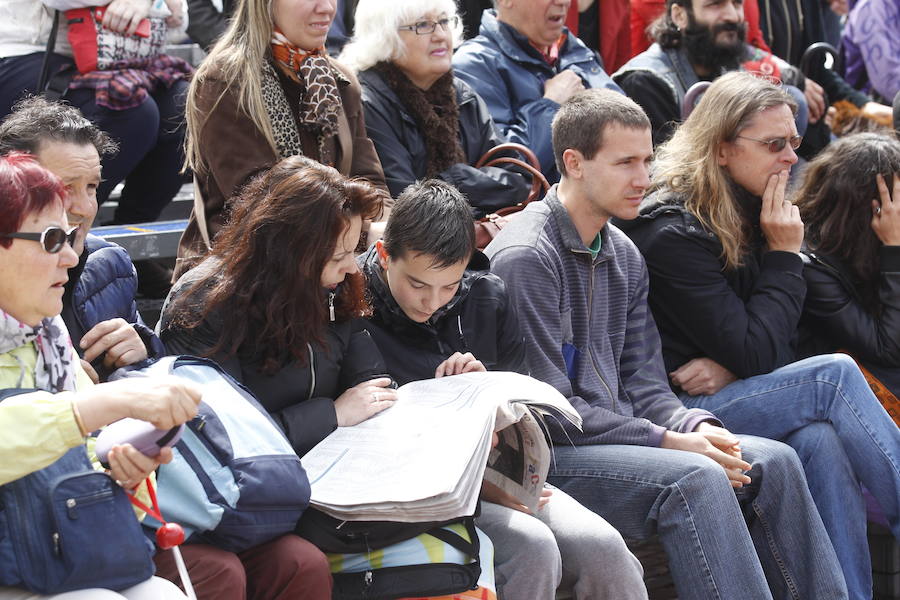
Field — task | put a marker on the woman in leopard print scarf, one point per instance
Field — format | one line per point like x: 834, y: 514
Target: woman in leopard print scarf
x: 269, y: 90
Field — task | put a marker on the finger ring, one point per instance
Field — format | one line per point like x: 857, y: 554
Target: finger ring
x: 374, y: 397
x: 877, y: 210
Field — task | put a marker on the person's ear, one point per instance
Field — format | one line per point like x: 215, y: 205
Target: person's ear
x: 722, y: 152
x: 572, y: 159
x: 679, y: 16
x: 382, y: 254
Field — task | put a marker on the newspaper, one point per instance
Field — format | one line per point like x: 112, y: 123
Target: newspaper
x: 424, y: 458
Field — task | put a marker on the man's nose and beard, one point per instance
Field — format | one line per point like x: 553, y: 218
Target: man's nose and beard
x: 700, y: 42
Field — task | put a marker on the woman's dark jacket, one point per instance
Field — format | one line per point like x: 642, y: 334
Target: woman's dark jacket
x: 479, y: 319
x: 745, y: 319
x: 299, y: 398
x: 401, y: 146
x: 836, y: 317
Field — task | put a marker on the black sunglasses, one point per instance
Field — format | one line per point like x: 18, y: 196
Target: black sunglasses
x: 52, y: 239
x: 776, y: 145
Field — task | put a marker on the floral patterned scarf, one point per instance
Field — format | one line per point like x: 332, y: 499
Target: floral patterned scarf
x: 55, y: 368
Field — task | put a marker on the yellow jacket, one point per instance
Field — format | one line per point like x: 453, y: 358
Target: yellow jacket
x: 38, y: 427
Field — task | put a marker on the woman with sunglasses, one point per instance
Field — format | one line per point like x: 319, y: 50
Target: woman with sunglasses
x: 268, y: 90
x: 722, y: 245
x: 850, y: 202
x: 425, y: 123
x: 49, y: 404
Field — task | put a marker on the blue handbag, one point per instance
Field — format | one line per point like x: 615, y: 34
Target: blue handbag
x: 68, y: 527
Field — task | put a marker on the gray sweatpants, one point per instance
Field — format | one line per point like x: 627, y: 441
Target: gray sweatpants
x: 565, y: 546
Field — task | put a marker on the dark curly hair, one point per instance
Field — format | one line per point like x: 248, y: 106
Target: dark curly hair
x: 283, y: 228
x: 835, y: 201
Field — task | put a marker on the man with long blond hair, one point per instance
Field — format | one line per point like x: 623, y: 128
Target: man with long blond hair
x: 641, y: 460
x: 722, y: 244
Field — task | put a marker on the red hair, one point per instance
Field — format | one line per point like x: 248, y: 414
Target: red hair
x: 25, y: 188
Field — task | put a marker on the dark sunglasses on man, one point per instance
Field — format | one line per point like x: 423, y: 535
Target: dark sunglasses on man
x: 776, y: 145
x: 52, y: 239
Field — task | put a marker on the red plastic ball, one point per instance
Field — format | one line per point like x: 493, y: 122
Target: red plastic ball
x: 169, y: 536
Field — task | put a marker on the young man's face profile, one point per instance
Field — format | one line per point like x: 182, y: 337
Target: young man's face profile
x: 419, y: 287
x: 617, y: 176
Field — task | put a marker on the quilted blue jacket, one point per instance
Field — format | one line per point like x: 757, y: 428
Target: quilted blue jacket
x: 102, y: 287
x: 509, y: 75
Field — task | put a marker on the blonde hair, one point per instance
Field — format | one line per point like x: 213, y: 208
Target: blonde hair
x: 375, y: 35
x: 687, y: 164
x: 238, y: 58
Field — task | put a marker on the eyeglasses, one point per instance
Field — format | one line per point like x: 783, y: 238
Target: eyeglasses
x: 426, y: 27
x: 52, y: 239
x: 776, y: 145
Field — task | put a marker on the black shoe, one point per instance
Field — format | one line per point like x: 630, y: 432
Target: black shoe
x: 154, y: 279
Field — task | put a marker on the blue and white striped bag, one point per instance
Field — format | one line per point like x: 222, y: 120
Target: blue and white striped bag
x: 235, y: 481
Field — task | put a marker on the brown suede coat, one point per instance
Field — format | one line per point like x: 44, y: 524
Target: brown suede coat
x: 234, y: 150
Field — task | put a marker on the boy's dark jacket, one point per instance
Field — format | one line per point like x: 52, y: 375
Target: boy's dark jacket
x: 479, y: 319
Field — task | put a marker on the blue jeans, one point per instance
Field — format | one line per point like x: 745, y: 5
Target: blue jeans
x: 763, y: 541
x: 825, y: 410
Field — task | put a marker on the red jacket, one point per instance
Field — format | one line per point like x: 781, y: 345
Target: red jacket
x: 615, y: 46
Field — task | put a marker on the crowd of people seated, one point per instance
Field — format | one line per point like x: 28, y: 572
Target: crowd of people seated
x: 713, y: 286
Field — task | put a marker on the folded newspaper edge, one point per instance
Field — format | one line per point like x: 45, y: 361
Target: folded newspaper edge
x: 424, y: 458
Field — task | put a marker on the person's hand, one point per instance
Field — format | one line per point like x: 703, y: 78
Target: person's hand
x: 457, y: 364
x: 129, y: 467
x: 779, y: 218
x: 716, y: 443
x: 815, y: 98
x: 701, y: 376
x: 562, y: 86
x: 878, y: 111
x: 118, y: 339
x: 886, y: 213
x: 89, y: 369
x: 163, y: 401
x: 124, y: 16
x: 492, y: 493
x: 177, y: 17
x: 363, y: 401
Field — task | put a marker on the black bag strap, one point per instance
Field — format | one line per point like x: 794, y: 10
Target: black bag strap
x: 472, y: 547
x: 54, y: 87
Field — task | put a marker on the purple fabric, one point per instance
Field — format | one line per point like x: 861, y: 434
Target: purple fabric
x: 871, y: 42
x: 127, y: 83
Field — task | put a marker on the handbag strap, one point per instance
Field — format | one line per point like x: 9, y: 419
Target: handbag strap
x: 471, y: 548
x: 200, y: 215
x: 539, y: 183
x: 53, y: 88
x: 51, y: 45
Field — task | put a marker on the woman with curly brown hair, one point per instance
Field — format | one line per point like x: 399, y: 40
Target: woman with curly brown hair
x: 276, y: 302
x: 276, y: 305
x: 852, y: 214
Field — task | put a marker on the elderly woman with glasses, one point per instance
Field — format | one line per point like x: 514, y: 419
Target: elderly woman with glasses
x: 425, y: 122
x: 49, y: 405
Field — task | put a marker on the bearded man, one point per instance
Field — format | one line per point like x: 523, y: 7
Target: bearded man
x: 698, y: 40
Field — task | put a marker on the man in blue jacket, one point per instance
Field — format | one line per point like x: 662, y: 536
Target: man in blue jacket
x: 524, y: 63
x: 643, y: 461
x: 98, y: 305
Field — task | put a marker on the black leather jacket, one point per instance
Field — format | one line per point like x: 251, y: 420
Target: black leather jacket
x: 401, y: 146
x: 835, y: 317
